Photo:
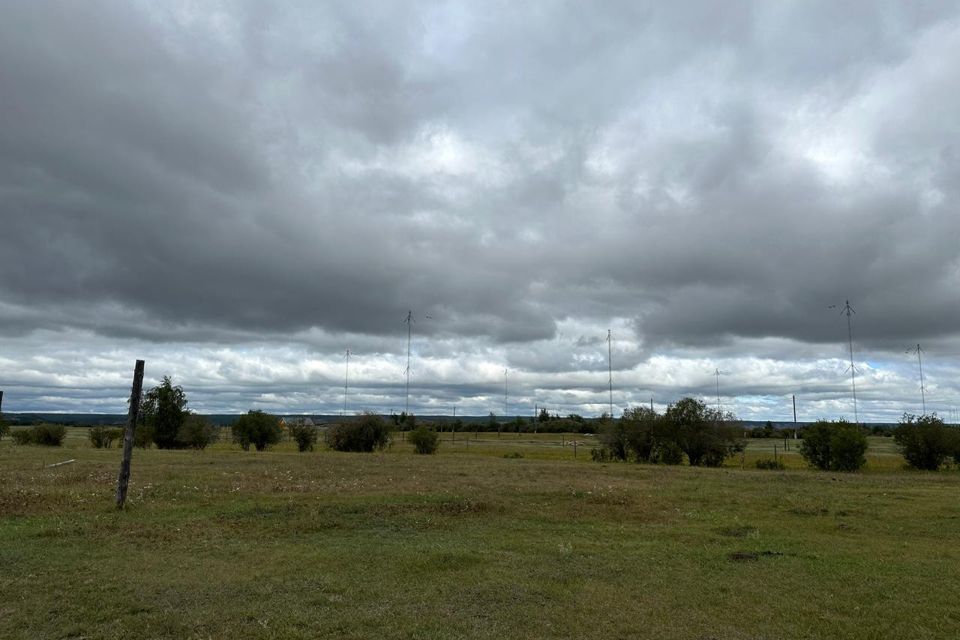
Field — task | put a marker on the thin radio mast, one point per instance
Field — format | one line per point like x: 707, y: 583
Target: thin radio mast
x: 346, y: 381
x: 923, y: 398
x: 610, y: 368
x: 848, y: 311
x: 409, y: 322
x: 504, y: 394
x: 717, y: 373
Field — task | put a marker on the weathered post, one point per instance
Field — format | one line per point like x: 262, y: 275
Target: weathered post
x: 1, y: 401
x: 133, y: 414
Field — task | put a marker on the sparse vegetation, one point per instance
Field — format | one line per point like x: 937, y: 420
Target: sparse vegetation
x: 834, y: 446
x: 769, y: 464
x: 369, y: 432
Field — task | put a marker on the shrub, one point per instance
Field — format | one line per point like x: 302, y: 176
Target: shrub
x: 305, y: 435
x: 368, y: 433
x: 102, y: 437
x: 834, y: 446
x: 46, y: 435
x: 197, y: 432
x: 769, y: 463
x: 424, y: 440
x: 258, y: 429
x: 925, y: 441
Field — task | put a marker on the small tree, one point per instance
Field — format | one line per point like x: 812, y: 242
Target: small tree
x: 925, y: 441
x: 706, y: 435
x: 369, y: 432
x: 258, y: 429
x: 305, y: 435
x: 834, y: 446
x: 197, y: 432
x: 424, y: 440
x: 164, y: 412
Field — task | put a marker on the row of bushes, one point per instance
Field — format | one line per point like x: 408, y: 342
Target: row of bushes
x: 47, y: 435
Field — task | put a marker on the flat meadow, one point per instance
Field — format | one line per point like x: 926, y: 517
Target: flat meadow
x: 509, y: 537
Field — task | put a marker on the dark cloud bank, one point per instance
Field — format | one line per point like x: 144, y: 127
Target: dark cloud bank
x: 706, y: 178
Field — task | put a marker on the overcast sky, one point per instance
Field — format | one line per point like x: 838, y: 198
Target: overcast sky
x: 238, y: 192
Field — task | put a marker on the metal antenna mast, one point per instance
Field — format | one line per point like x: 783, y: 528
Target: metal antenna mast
x: 610, y: 368
x: 848, y: 311
x: 923, y: 398
x: 409, y: 322
x: 346, y: 381
x: 717, y: 373
x: 504, y: 394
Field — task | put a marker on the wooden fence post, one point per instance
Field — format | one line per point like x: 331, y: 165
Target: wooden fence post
x: 134, y: 413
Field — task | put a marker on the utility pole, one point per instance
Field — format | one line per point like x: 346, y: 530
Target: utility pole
x: 123, y: 479
x: 346, y: 382
x: 610, y: 368
x: 923, y: 398
x: 794, y: 417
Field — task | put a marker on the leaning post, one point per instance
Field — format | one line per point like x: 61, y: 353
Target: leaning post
x: 134, y: 413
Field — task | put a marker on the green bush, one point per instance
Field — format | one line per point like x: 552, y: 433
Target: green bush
x: 706, y: 435
x: 305, y: 435
x: 424, y: 440
x: 45, y: 435
x: 834, y: 446
x: 103, y: 437
x: 197, y: 432
x: 258, y: 429
x: 769, y: 463
x: 369, y: 432
x: 925, y: 441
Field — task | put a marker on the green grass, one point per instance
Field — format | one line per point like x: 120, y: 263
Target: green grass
x: 469, y: 544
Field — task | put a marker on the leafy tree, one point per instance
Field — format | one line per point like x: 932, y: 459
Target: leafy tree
x: 706, y: 435
x: 305, y: 435
x: 543, y: 416
x: 368, y: 433
x: 258, y: 429
x: 925, y: 441
x: 424, y: 440
x: 834, y: 446
x: 164, y: 413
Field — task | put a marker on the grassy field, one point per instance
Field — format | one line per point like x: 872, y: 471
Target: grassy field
x: 470, y: 544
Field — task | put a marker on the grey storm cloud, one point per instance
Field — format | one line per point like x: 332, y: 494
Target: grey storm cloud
x: 709, y: 176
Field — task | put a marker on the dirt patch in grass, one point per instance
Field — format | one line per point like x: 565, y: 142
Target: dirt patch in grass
x: 750, y: 556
